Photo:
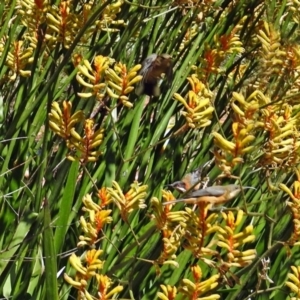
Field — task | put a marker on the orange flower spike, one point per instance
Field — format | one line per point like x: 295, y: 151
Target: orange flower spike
x: 101, y: 64
x: 197, y: 273
x: 64, y: 12
x: 88, y: 128
x: 124, y: 74
x: 104, y: 283
x: 297, y: 188
x: 104, y: 197
x: 197, y: 85
x: 225, y: 42
x: 210, y: 58
x: 102, y: 218
x: 169, y: 292
x: 77, y: 59
x: 67, y: 106
x: 92, y: 257
x: 39, y: 4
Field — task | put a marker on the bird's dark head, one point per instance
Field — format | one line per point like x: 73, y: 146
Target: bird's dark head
x: 179, y: 186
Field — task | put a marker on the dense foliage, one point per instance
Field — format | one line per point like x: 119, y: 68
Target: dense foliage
x: 85, y: 163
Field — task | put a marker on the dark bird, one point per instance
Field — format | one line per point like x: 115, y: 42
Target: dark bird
x: 152, y: 68
x: 214, y: 194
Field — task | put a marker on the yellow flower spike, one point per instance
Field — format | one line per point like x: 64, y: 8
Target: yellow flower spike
x: 111, y: 93
x: 89, y: 204
x: 222, y: 231
x: 287, y: 190
x: 117, y: 188
x: 209, y: 284
x: 240, y: 98
x: 87, y: 296
x: 248, y: 139
x: 56, y: 128
x: 83, y: 223
x: 211, y: 297
x: 113, y: 76
x: 197, y: 272
x: 128, y: 90
x: 177, y: 217
x: 223, y: 245
x: 296, y: 271
x: 294, y: 288
x: 76, y: 135
x: 245, y: 240
x: 188, y: 284
x: 115, y: 291
x: 98, y: 135
x: 71, y: 281
x: 76, y: 264
x: 223, y: 143
x: 54, y: 115
x: 244, y: 151
x: 135, y: 80
x: 118, y: 199
x: 121, y: 82
x: 115, y: 86
x: 248, y: 230
x: 202, y: 103
x: 55, y: 106
x: 84, y: 83
x: 213, y: 229
x: 126, y: 103
x: 132, y: 200
x: 229, y: 230
x: 245, y: 253
x: 102, y: 217
x: 136, y: 68
x: 172, y: 263
x: 230, y: 256
x: 92, y: 256
x: 104, y: 283
x: 239, y: 217
x: 169, y: 292
x: 285, y: 134
x: 179, y: 98
x: 70, y: 157
x: 84, y: 70
x: 244, y: 259
x: 211, y: 218
x: 294, y: 279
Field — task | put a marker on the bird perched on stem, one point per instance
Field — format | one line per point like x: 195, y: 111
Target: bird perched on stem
x: 191, y: 181
x: 152, y: 68
x: 217, y: 194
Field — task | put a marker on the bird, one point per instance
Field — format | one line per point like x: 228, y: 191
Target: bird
x: 152, y: 68
x: 217, y: 194
x: 191, y: 181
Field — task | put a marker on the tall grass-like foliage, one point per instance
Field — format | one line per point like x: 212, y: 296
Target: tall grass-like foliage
x: 85, y: 163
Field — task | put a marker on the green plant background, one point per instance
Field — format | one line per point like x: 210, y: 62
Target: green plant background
x: 41, y: 191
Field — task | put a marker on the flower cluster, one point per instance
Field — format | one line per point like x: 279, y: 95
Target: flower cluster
x: 117, y: 82
x: 98, y: 218
x: 63, y: 123
x: 198, y: 107
x: 132, y: 200
x: 86, y: 269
